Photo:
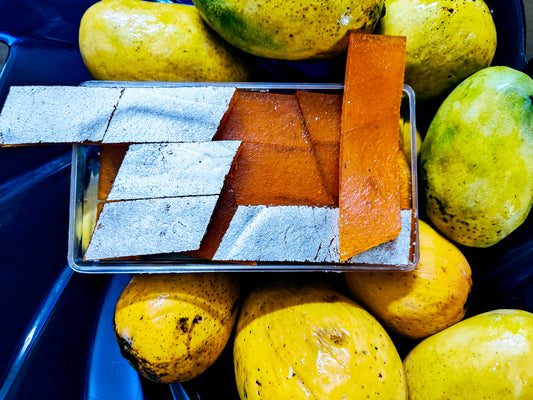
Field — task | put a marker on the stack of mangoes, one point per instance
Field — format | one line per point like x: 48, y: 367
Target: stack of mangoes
x: 295, y: 339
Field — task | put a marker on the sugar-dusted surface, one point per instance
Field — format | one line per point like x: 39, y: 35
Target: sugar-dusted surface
x: 302, y: 234
x: 56, y: 114
x: 92, y: 114
x: 173, y: 169
x: 152, y: 226
x: 182, y: 114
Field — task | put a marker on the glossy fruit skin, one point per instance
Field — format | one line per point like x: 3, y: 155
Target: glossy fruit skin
x: 284, y: 30
x: 447, y: 40
x: 487, y: 356
x: 307, y: 341
x: 423, y: 301
x: 136, y: 40
x: 172, y: 327
x: 476, y: 160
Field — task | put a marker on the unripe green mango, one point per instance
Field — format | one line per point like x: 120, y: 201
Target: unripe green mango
x: 290, y: 30
x: 477, y: 158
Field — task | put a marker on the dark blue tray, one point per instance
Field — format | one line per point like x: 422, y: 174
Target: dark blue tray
x: 59, y: 343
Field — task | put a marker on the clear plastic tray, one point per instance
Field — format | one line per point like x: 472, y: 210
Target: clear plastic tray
x: 83, y: 202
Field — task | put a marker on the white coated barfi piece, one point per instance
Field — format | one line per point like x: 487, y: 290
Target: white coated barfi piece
x: 153, y: 226
x: 181, y: 114
x: 56, y: 114
x: 173, y: 169
x: 281, y: 233
x: 302, y: 234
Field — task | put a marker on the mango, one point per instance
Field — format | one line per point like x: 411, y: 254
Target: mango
x: 447, y: 40
x: 305, y: 340
x: 405, y: 139
x: 136, y: 40
x: 423, y: 301
x: 487, y: 356
x: 172, y: 327
x: 301, y: 30
x: 476, y: 160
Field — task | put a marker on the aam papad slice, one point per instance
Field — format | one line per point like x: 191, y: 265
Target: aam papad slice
x: 322, y: 116
x: 369, y: 195
x: 277, y: 164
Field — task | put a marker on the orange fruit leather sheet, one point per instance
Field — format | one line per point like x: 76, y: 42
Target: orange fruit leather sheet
x: 277, y: 164
x: 369, y: 194
x: 111, y: 157
x: 322, y: 116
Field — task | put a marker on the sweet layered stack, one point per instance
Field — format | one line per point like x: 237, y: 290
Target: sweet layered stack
x: 221, y: 173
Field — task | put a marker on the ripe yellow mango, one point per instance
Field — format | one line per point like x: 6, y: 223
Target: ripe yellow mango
x: 447, y: 40
x: 488, y: 356
x: 299, y: 340
x: 136, y: 40
x: 172, y: 327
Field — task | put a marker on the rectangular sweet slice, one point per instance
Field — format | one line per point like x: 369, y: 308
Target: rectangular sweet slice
x: 151, y: 170
x: 180, y: 114
x: 150, y: 226
x: 322, y: 115
x: 369, y: 197
x: 56, y: 114
x: 302, y: 234
x: 91, y: 114
x: 282, y: 233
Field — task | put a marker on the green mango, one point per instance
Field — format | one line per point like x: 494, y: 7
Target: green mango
x: 476, y: 160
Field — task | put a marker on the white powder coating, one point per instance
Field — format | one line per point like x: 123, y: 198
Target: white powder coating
x: 182, y: 114
x: 302, y: 234
x: 56, y: 114
x: 152, y: 226
x: 91, y: 114
x: 173, y: 169
x: 281, y: 233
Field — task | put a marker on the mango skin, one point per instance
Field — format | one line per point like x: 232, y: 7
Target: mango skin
x: 476, y: 161
x: 136, y: 40
x: 447, y: 40
x: 487, y: 356
x: 423, y: 301
x: 172, y: 327
x: 307, y: 341
x: 288, y: 30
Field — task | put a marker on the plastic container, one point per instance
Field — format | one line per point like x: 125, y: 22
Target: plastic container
x: 83, y: 202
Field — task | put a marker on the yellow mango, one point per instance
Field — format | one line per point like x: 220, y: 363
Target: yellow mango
x: 307, y: 341
x: 172, y: 327
x: 136, y: 40
x: 488, y: 356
